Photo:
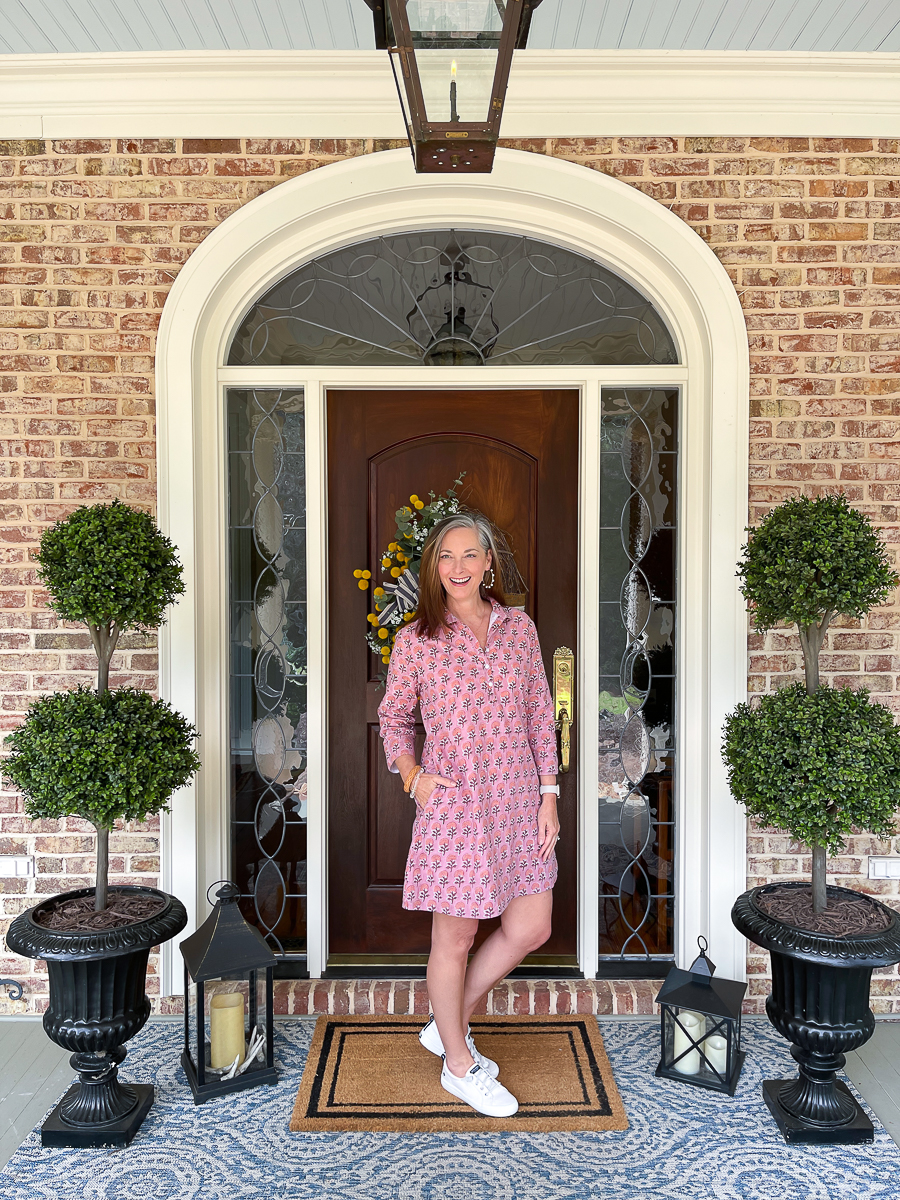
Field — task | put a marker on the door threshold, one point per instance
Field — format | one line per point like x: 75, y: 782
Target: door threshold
x: 412, y: 966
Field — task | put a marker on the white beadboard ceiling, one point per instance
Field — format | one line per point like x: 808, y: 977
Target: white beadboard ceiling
x: 92, y: 26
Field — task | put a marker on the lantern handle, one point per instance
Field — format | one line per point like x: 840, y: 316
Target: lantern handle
x: 703, y: 944
x: 216, y: 884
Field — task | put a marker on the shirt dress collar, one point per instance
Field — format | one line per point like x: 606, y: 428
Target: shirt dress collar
x: 498, y: 613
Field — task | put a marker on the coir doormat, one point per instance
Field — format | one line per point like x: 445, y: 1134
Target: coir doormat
x: 370, y: 1074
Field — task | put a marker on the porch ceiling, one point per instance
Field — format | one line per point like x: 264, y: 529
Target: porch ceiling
x: 76, y: 26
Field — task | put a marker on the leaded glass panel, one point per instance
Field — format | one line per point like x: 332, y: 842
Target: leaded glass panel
x: 637, y: 733
x: 452, y: 297
x: 267, y: 530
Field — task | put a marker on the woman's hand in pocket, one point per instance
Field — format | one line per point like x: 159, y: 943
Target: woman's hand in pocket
x: 425, y: 787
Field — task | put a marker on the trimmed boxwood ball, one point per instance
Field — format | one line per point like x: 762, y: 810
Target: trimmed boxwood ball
x: 109, y: 563
x: 809, y: 560
x: 815, y: 765
x: 109, y: 757
x: 109, y: 567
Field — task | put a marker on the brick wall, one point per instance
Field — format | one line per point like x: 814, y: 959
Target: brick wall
x: 92, y: 234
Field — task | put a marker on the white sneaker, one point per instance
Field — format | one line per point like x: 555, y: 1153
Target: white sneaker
x: 431, y: 1040
x: 480, y: 1091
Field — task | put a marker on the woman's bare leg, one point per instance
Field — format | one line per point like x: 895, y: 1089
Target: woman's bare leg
x: 451, y: 941
x: 524, y: 925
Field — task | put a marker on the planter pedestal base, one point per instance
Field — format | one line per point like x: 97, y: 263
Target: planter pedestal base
x: 856, y: 1131
x: 56, y: 1131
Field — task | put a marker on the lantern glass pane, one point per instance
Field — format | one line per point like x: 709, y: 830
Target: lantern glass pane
x: 456, y: 43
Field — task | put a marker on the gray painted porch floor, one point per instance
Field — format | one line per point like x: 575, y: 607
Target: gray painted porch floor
x: 34, y: 1073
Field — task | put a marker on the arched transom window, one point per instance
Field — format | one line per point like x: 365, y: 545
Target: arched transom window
x: 452, y: 297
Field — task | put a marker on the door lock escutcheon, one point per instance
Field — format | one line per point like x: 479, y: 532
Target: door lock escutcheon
x: 563, y: 684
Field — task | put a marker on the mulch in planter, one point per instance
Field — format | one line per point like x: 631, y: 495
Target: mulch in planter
x: 844, y: 916
x: 77, y: 915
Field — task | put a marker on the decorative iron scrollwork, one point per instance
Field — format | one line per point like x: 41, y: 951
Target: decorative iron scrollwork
x: 452, y: 298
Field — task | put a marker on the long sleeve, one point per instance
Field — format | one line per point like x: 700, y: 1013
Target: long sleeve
x: 396, y: 711
x: 540, y: 721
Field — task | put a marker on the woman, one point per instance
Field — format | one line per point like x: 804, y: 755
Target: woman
x: 483, y: 842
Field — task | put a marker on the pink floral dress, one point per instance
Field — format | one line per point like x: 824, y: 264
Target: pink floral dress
x: 489, y: 724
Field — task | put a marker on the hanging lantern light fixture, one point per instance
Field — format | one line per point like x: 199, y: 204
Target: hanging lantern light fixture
x: 451, y: 61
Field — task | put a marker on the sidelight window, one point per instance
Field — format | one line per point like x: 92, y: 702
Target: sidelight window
x: 267, y: 531
x: 637, y: 731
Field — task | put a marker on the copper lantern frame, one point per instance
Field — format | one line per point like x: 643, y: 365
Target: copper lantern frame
x: 453, y: 147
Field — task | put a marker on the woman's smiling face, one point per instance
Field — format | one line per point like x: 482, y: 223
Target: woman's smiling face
x: 462, y: 563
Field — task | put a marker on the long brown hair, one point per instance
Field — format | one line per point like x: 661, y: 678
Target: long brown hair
x: 432, y: 595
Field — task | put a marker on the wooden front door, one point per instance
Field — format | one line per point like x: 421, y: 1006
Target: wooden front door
x: 520, y: 454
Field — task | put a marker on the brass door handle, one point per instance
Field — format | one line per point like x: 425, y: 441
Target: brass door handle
x: 563, y: 680
x: 565, y: 741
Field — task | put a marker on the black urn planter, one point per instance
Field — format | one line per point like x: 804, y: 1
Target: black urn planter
x: 820, y: 1003
x: 97, y: 1002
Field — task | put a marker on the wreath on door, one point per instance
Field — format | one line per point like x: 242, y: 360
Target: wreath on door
x: 396, y: 598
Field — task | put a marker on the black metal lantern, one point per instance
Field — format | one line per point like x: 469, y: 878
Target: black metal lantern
x: 451, y: 61
x: 701, y: 1026
x: 239, y: 1052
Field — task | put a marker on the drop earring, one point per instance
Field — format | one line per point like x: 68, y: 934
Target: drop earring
x: 491, y: 583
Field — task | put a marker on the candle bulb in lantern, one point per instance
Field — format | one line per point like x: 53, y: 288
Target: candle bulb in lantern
x: 226, y: 1030
x: 716, y: 1050
x: 686, y: 1033
x: 454, y: 115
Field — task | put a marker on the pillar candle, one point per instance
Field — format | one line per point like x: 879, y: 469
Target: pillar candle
x: 226, y: 1029
x: 690, y: 1064
x: 716, y: 1050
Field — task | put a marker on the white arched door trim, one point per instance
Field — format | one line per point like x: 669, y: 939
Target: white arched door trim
x: 555, y: 201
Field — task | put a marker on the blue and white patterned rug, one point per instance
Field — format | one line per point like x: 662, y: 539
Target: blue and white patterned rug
x: 682, y: 1144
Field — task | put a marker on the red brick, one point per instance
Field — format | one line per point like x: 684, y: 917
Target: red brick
x: 211, y: 145
x: 244, y: 166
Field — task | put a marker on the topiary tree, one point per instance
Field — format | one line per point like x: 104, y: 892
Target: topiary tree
x: 104, y: 755
x: 814, y: 760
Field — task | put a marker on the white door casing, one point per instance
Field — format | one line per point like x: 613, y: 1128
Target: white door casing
x: 556, y: 201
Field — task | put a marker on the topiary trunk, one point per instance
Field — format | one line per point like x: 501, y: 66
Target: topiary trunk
x: 101, y: 891
x: 104, y: 639
x: 819, y: 867
x: 812, y: 638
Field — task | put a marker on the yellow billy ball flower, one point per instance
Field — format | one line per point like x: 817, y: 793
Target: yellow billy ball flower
x: 409, y: 616
x: 396, y: 572
x: 379, y: 591
x: 372, y: 618
x: 357, y: 574
x: 420, y: 504
x: 367, y: 575
x: 414, y: 499
x: 385, y: 562
x: 382, y: 633
x: 363, y: 586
